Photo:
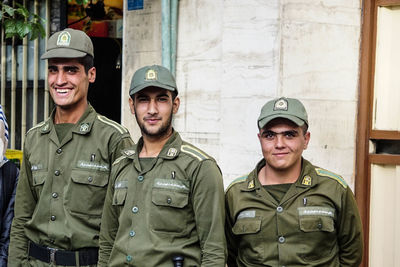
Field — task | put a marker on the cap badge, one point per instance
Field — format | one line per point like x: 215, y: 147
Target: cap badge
x: 281, y: 104
x: 172, y: 152
x: 84, y: 127
x: 64, y: 39
x: 306, y: 180
x: 151, y: 75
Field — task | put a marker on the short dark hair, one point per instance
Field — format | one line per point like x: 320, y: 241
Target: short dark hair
x: 87, y: 62
x: 304, y: 128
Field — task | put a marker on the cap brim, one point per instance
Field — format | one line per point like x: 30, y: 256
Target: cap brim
x: 150, y: 84
x: 266, y: 120
x: 63, y: 53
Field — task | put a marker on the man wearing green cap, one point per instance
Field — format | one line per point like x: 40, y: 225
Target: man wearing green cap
x: 288, y: 212
x: 165, y: 200
x: 66, y: 165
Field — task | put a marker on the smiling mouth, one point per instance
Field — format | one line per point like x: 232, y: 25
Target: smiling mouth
x: 62, y: 91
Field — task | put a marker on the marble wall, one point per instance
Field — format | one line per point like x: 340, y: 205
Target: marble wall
x: 235, y: 55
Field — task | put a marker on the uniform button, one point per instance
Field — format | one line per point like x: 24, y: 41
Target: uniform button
x: 90, y: 179
x: 54, y: 195
x: 135, y: 209
x: 57, y: 173
x: 53, y: 218
x: 132, y: 233
x: 129, y: 258
x: 140, y: 178
x: 281, y: 239
x: 279, y: 209
x: 319, y: 226
x: 169, y: 200
x: 59, y: 151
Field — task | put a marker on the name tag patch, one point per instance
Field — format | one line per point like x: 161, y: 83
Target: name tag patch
x: 316, y: 211
x: 246, y: 214
x: 121, y: 184
x: 170, y: 184
x: 92, y: 165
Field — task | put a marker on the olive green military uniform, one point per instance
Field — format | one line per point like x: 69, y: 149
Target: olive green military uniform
x: 175, y: 206
x: 62, y: 186
x: 316, y: 223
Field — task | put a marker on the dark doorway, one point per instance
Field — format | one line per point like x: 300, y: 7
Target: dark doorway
x: 105, y: 93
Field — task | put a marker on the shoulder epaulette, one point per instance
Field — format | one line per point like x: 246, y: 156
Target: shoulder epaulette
x: 236, y: 181
x: 195, y: 152
x: 113, y: 124
x: 36, y: 126
x: 326, y: 173
x: 119, y: 159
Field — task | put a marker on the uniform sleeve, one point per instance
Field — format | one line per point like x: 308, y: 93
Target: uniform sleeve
x: 7, y: 219
x: 109, y: 226
x: 350, y: 236
x: 25, y: 203
x: 230, y: 238
x: 209, y: 210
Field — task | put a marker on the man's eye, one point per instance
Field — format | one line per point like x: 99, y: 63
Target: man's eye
x: 163, y: 99
x: 290, y: 134
x: 269, y: 134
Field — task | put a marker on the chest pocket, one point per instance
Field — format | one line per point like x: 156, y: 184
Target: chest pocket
x: 247, y: 226
x: 86, y: 192
x: 120, y: 191
x: 38, y: 177
x: 169, y: 212
x: 316, y: 224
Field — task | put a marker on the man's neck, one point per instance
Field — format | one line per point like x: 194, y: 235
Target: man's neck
x: 71, y: 115
x: 270, y: 176
x: 152, y: 146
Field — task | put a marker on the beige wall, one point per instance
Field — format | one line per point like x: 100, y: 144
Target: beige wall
x: 235, y: 55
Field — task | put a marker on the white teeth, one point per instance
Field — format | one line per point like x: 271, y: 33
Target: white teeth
x: 62, y: 91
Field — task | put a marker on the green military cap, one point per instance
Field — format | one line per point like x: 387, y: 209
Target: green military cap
x: 157, y: 76
x: 288, y: 108
x: 68, y: 43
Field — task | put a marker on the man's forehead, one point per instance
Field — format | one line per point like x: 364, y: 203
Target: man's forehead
x: 152, y: 90
x: 281, y: 123
x: 64, y: 61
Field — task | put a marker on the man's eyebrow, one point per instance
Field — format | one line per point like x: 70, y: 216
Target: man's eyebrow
x: 70, y: 68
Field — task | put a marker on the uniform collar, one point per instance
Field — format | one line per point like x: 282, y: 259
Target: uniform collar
x: 83, y: 126
x: 306, y: 179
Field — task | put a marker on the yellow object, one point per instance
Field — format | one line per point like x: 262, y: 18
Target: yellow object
x: 15, y: 156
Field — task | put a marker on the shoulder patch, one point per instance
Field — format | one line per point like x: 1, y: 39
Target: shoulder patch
x: 326, y: 173
x: 195, y: 152
x: 240, y: 179
x: 113, y: 124
x: 36, y: 126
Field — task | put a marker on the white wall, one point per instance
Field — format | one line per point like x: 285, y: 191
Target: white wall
x: 235, y: 55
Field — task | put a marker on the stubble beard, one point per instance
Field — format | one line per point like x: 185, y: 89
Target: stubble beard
x: 161, y: 132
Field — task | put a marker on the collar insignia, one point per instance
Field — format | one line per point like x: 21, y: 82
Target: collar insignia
x: 46, y: 127
x: 250, y: 185
x: 306, y: 180
x: 172, y: 152
x: 281, y: 104
x: 129, y: 152
x: 64, y: 39
x: 151, y: 75
x: 84, y: 127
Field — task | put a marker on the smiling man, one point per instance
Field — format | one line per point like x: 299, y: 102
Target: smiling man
x: 66, y: 165
x: 288, y: 212
x: 165, y: 201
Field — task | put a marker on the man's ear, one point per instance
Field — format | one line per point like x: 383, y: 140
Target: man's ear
x: 92, y: 74
x: 131, y: 106
x: 175, y: 105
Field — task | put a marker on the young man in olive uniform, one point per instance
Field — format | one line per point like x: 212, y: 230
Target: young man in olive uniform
x: 287, y: 212
x: 165, y: 198
x: 66, y: 165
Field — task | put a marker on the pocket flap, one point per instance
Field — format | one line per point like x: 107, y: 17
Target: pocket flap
x: 246, y: 226
x: 169, y: 198
x: 94, y: 178
x: 119, y: 196
x: 39, y: 177
x: 315, y: 224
